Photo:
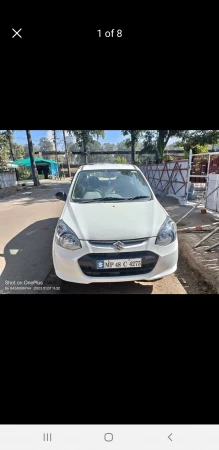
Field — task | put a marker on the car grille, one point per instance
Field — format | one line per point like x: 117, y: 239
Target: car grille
x: 126, y: 242
x: 88, y: 264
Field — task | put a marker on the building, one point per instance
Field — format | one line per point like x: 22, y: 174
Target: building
x: 175, y: 152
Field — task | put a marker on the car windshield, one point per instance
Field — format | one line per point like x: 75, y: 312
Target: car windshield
x: 110, y: 185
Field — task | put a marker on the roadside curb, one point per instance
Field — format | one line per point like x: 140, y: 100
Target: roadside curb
x: 191, y: 256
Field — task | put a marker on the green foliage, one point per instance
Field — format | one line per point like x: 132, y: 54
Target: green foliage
x: 35, y: 149
x: 120, y: 160
x: 4, y: 151
x: 156, y: 141
x: 198, y: 141
x: 149, y: 152
x: 96, y: 146
x: 85, y: 137
x: 168, y: 158
x: 135, y: 135
x: 195, y: 149
x: 24, y: 173
x: 45, y: 146
x: 109, y: 147
x: 18, y: 151
x: 122, y: 147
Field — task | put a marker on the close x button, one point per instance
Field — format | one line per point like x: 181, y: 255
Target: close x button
x: 16, y: 33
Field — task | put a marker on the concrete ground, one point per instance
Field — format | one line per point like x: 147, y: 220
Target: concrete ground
x: 204, y: 264
x: 27, y: 224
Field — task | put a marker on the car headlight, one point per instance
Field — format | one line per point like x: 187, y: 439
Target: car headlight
x: 167, y: 233
x: 65, y: 237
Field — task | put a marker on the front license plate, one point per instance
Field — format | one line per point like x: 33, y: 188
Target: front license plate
x: 118, y: 263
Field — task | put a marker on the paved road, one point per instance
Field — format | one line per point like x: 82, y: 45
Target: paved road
x: 27, y: 223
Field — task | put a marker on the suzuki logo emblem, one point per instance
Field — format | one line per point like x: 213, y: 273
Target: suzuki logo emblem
x: 118, y: 245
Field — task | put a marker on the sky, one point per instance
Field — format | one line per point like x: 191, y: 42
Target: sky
x: 111, y: 136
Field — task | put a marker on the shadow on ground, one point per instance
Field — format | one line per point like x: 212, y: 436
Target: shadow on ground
x: 130, y: 287
x: 28, y: 258
x: 33, y: 194
x: 28, y: 261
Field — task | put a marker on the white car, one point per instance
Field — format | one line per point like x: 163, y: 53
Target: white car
x: 112, y: 228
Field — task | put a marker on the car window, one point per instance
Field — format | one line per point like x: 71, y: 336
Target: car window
x: 115, y: 184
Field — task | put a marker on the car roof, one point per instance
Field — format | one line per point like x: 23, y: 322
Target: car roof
x: 107, y: 167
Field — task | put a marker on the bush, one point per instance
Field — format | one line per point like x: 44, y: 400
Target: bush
x: 168, y: 158
x: 24, y: 173
x: 120, y: 160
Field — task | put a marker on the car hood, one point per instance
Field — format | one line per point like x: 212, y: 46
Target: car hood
x: 114, y: 220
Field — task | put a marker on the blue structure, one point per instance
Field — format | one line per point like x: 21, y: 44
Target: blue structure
x: 51, y: 166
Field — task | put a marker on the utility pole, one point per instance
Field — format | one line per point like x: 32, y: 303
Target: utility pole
x: 67, y: 154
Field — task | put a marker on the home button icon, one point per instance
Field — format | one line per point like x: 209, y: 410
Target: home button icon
x: 108, y: 437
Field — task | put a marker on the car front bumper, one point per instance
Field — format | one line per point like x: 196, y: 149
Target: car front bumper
x: 66, y: 262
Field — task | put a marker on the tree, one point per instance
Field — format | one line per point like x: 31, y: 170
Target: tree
x: 18, y: 151
x: 156, y: 141
x: 149, y: 149
x: 163, y: 137
x: 36, y: 181
x: 45, y: 147
x: 198, y: 141
x: 75, y: 159
x: 108, y: 147
x: 84, y: 137
x: 66, y: 154
x: 120, y: 160
x: 4, y: 151
x: 24, y: 173
x: 122, y: 147
x: 96, y: 146
x: 36, y: 150
x: 134, y: 137
x: 168, y: 158
x: 8, y: 134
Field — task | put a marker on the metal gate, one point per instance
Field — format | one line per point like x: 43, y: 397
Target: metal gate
x: 199, y: 167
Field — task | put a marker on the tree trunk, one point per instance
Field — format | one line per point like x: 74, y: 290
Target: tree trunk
x: 55, y: 144
x: 161, y: 146
x: 133, y: 149
x: 36, y: 181
x: 84, y: 139
x: 11, y: 152
x: 67, y: 155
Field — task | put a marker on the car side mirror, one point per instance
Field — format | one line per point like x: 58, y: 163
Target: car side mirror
x: 61, y: 196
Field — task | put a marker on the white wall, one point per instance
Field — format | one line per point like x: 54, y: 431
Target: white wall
x: 159, y: 174
x: 212, y: 202
x: 8, y: 179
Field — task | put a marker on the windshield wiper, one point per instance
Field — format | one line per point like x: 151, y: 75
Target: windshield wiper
x: 101, y: 199
x: 138, y: 197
